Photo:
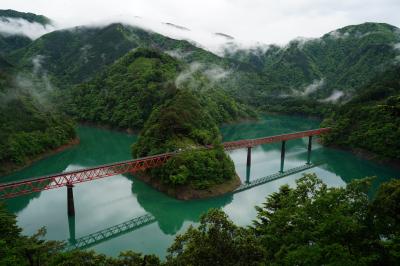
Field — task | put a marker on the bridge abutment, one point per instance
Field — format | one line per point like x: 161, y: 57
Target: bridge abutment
x: 70, y: 199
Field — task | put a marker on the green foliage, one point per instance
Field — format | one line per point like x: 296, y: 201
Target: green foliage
x: 201, y: 169
x: 371, y: 120
x: 217, y: 241
x: 126, y: 93
x: 313, y: 225
x: 184, y: 123
x: 28, y: 128
x: 309, y: 224
x: 76, y: 55
x: 346, y: 59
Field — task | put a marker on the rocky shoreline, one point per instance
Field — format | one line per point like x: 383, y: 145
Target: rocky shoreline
x: 187, y: 192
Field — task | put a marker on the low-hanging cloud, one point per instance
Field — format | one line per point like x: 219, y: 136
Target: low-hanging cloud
x: 18, y: 26
x: 188, y: 77
x: 35, y: 83
x: 334, y: 97
x: 313, y: 87
x: 262, y: 21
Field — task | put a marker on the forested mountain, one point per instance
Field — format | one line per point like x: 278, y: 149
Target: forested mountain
x: 105, y: 82
x: 329, y: 69
x: 77, y: 54
x: 125, y: 94
x: 180, y: 108
x: 371, y: 120
x: 28, y: 126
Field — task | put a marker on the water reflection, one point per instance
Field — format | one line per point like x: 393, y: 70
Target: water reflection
x: 171, y: 213
x: 109, y: 202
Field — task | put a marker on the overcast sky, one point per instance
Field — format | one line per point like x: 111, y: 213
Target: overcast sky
x: 265, y: 21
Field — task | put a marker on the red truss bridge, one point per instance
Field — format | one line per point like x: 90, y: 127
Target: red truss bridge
x: 14, y: 189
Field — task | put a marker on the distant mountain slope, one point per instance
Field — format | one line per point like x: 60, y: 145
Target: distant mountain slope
x: 76, y: 55
x: 127, y: 92
x: 329, y: 68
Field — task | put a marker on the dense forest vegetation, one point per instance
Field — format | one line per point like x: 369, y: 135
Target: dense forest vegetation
x: 125, y: 94
x: 28, y: 127
x: 371, y: 120
x: 310, y: 224
x: 146, y: 89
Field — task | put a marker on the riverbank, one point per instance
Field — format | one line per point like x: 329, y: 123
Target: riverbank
x: 187, y: 192
x: 368, y: 155
x: 9, y: 167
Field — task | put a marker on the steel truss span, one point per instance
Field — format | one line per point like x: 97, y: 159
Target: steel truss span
x: 18, y: 188
x: 232, y: 145
x: 14, y: 189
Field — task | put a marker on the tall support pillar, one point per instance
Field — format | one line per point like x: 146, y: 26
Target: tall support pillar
x: 309, y: 150
x: 283, y: 155
x: 248, y: 156
x: 70, y: 199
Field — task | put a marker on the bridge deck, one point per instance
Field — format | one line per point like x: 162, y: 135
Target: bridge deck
x: 14, y: 189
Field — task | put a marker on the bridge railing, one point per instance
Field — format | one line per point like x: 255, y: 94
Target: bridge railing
x: 231, y: 145
x: 9, y: 190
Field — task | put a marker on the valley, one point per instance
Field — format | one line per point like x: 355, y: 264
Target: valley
x: 84, y: 96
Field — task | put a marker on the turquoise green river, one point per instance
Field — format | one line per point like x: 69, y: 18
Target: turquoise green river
x: 111, y: 204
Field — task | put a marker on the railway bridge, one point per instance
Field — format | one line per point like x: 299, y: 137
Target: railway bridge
x: 68, y: 179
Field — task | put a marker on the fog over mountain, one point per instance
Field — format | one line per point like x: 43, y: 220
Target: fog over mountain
x: 250, y: 23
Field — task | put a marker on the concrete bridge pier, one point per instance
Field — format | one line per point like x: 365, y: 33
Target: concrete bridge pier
x: 70, y: 199
x: 283, y: 155
x: 248, y: 156
x: 309, y: 150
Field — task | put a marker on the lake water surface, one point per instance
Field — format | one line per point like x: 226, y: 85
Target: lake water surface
x: 120, y: 199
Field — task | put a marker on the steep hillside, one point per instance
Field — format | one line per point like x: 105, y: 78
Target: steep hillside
x: 75, y: 55
x: 328, y: 69
x: 125, y: 94
x: 28, y: 128
x: 371, y: 120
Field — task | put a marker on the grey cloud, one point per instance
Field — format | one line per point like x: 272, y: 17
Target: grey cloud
x: 258, y: 20
x: 13, y: 26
